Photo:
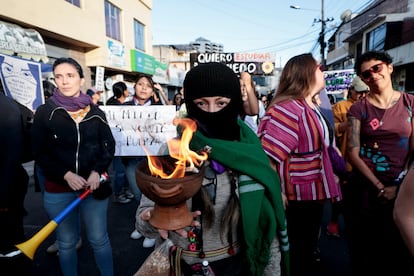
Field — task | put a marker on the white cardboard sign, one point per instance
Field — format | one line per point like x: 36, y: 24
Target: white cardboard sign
x: 136, y: 127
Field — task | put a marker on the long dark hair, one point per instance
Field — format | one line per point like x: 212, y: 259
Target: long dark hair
x: 118, y: 89
x: 48, y: 88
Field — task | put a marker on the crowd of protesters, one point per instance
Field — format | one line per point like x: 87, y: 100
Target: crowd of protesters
x: 272, y: 168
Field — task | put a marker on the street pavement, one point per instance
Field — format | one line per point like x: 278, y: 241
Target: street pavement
x: 129, y: 254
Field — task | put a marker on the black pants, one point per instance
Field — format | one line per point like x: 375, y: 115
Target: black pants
x: 303, y: 223
x: 12, y: 233
x: 375, y: 244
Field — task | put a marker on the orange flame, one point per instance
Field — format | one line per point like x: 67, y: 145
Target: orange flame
x: 179, y: 149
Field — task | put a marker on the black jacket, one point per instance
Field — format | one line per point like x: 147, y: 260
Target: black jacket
x: 60, y: 145
x: 13, y: 177
x: 131, y: 102
x: 113, y: 101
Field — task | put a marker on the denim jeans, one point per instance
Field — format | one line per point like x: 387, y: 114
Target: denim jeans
x: 131, y: 164
x: 94, y: 215
x: 120, y: 180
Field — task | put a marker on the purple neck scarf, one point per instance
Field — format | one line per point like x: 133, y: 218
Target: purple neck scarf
x: 71, y: 103
x: 218, y: 167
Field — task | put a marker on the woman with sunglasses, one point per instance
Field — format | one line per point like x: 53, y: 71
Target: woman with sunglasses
x: 379, y: 150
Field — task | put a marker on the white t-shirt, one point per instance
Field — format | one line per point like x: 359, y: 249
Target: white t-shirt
x: 253, y: 121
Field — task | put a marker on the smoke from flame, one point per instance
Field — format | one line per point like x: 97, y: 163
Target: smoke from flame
x: 179, y: 149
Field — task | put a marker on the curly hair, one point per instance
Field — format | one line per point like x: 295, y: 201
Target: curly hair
x: 371, y: 55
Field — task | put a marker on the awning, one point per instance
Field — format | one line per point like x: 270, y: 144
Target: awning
x: 25, y: 43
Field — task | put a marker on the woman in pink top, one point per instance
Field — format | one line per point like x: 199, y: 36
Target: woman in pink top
x: 379, y: 151
x: 295, y: 140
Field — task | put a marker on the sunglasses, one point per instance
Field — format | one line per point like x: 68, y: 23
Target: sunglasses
x: 374, y: 69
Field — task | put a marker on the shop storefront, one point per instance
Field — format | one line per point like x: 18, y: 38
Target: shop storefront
x: 169, y: 77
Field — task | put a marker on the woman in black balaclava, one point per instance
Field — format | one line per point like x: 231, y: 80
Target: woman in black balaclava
x: 240, y: 200
x: 214, y: 80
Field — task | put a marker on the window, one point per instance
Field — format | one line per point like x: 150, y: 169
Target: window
x: 74, y: 2
x: 112, y: 21
x: 341, y: 39
x: 376, y: 38
x: 139, y: 35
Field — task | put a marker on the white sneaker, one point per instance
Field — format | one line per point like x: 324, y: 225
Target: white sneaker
x: 148, y: 243
x: 135, y: 235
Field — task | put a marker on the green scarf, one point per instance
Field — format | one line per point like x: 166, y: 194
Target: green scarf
x: 262, y: 210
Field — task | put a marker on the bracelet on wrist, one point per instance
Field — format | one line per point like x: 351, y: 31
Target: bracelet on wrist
x: 378, y: 185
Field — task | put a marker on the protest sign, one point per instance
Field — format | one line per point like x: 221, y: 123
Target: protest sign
x: 338, y: 81
x: 139, y: 128
x: 22, y: 81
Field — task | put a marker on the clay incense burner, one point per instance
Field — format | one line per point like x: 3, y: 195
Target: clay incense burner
x: 170, y: 196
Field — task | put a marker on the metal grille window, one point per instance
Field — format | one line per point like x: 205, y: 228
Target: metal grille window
x: 139, y: 35
x: 112, y: 21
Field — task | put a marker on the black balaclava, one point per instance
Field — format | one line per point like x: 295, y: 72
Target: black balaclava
x: 210, y: 80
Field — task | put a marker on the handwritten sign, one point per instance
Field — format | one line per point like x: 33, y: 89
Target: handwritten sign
x: 137, y: 127
x: 338, y: 81
x: 99, y: 79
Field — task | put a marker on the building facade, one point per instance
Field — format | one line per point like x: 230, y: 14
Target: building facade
x: 111, y: 34
x: 177, y: 56
x: 383, y: 25
x: 182, y: 57
x: 178, y: 59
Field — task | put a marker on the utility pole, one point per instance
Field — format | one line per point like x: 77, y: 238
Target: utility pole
x: 322, y: 34
x: 322, y: 20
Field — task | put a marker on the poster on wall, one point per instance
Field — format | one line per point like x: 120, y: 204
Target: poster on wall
x: 116, y: 52
x: 22, y: 81
x: 99, y: 79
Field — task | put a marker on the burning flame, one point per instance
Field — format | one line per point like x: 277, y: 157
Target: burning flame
x: 179, y: 149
